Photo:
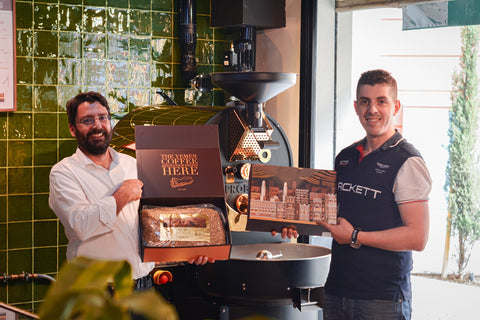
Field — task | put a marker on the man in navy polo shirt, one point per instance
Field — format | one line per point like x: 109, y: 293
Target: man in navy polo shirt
x: 382, y: 192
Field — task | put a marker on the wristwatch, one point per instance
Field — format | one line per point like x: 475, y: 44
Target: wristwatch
x: 353, y: 241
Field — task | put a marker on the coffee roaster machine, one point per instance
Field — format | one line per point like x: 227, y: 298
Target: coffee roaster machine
x: 265, y: 276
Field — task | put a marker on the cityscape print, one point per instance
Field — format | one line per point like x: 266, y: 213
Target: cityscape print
x: 299, y: 195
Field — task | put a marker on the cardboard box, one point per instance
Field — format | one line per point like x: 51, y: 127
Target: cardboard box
x: 180, y: 165
x: 287, y: 196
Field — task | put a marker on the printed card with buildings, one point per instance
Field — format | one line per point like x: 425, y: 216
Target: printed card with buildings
x: 284, y: 196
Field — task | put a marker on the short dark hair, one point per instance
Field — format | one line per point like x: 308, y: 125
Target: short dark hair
x: 378, y: 76
x: 91, y: 96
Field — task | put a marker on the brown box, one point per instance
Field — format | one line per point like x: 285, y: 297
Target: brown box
x: 287, y: 196
x: 180, y: 165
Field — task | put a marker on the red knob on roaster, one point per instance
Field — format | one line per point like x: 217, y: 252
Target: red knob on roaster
x: 162, y: 277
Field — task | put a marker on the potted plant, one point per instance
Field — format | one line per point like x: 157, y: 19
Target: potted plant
x: 98, y: 289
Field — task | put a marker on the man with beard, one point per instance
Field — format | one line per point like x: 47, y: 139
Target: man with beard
x: 95, y: 192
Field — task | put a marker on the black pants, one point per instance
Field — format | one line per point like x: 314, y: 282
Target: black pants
x: 142, y: 284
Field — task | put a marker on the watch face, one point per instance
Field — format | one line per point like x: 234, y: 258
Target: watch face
x: 355, y: 245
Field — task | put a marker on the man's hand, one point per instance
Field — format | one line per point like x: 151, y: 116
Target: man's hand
x: 341, y: 232
x: 130, y: 190
x: 287, y: 232
x: 200, y: 260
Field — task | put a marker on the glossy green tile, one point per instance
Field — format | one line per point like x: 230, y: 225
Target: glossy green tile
x: 140, y: 49
x: 24, y: 43
x: 176, y: 51
x: 45, y: 16
x: 140, y: 23
x: 19, y: 261
x: 65, y: 93
x: 223, y: 34
x: 41, y: 210
x: 45, y: 98
x: 45, y: 44
x: 66, y: 148
x: 70, y: 45
x: 3, y: 124
x: 177, y: 78
x: 3, y: 200
x: 94, y: 20
x: 100, y: 3
x: 19, y: 235
x: 162, y: 5
x: 139, y: 74
x: 63, y: 128
x: 219, y: 48
x: 3, y: 181
x: 138, y: 98
x: 40, y: 180
x: 19, y: 180
x: 203, y: 7
x: 25, y: 19
x: 44, y: 233
x: 162, y: 75
x: 157, y: 99
x: 62, y: 243
x: 117, y: 99
x: 203, y: 27
x: 3, y: 237
x: 94, y: 46
x: 20, y: 209
x: 141, y: 4
x: 45, y: 71
x: 69, y: 71
x: 162, y: 50
x: 94, y: 73
x: 117, y: 3
x: 70, y: 18
x: 204, y: 69
x: 20, y: 126
x: 3, y: 154
x: 117, y: 73
x: 24, y: 70
x: 45, y: 125
x: 162, y: 25
x: 19, y: 153
x: 71, y: 1
x: 204, y: 52
x: 24, y: 98
x: 40, y: 289
x: 45, y: 152
x: 117, y: 47
x: 117, y: 21
x: 62, y: 250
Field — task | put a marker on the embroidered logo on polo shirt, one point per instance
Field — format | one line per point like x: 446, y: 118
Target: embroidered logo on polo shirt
x: 381, y: 168
x: 343, y: 163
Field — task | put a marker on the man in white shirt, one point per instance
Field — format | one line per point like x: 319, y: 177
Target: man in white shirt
x: 95, y: 192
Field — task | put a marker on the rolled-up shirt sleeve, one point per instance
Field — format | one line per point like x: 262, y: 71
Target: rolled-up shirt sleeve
x: 83, y: 213
x: 413, y: 182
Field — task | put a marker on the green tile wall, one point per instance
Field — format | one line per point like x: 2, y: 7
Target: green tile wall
x: 125, y: 49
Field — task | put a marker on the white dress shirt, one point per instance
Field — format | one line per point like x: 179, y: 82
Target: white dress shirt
x: 81, y: 195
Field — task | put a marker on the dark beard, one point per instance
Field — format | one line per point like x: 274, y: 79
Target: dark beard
x: 94, y: 148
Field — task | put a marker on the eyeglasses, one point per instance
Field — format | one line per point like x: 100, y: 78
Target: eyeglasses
x: 88, y: 121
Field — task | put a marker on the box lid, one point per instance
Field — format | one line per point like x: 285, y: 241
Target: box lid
x: 191, y: 169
